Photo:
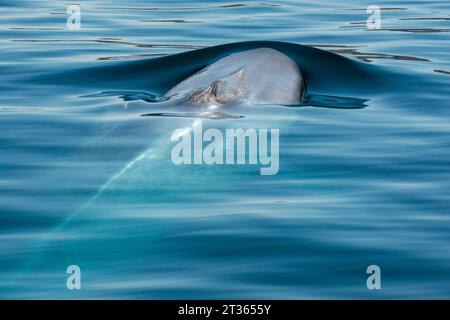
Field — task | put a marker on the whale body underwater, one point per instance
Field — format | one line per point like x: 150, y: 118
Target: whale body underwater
x: 256, y: 76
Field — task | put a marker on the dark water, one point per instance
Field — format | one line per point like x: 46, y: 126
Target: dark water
x: 85, y: 180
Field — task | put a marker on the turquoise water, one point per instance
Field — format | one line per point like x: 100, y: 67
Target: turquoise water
x: 84, y: 180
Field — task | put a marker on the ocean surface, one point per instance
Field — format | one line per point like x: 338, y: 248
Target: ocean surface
x: 364, y: 175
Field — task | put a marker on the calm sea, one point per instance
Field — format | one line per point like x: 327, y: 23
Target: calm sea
x: 86, y: 181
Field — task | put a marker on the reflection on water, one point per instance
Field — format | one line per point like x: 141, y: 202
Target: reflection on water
x: 422, y: 30
x: 131, y: 56
x: 366, y: 56
x: 381, y: 8
x: 418, y: 19
x: 86, y: 180
x: 172, y: 21
x: 442, y: 71
x: 115, y: 41
x: 235, y: 5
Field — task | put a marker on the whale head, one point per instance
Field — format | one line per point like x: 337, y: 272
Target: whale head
x: 257, y: 76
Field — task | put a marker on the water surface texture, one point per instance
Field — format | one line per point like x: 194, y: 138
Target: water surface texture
x: 85, y: 180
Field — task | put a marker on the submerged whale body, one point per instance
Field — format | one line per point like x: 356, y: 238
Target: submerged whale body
x: 258, y: 76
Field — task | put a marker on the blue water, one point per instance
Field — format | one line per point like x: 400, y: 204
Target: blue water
x: 84, y: 180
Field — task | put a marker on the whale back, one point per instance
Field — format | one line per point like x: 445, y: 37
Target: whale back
x: 259, y: 76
